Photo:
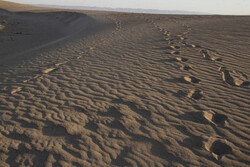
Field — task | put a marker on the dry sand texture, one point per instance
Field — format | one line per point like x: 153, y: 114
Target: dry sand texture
x: 118, y: 89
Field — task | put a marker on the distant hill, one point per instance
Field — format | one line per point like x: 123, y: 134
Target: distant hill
x: 153, y: 11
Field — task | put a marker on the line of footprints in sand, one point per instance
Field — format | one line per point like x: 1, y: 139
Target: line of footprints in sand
x: 218, y: 146
x: 45, y: 71
x: 231, y: 77
x: 118, y: 26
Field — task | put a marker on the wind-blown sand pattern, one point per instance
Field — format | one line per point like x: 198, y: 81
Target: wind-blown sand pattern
x: 86, y: 88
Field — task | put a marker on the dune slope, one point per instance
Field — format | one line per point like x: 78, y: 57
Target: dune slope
x: 27, y: 31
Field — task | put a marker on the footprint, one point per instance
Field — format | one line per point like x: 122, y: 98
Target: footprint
x: 79, y: 57
x: 180, y: 94
x: 182, y: 38
x: 181, y: 59
x: 18, y: 89
x: 208, y: 56
x: 177, y: 59
x: 191, y: 79
x: 174, y: 52
x: 167, y: 35
x: 195, y: 94
x: 190, y: 46
x: 37, y: 76
x: 166, y: 32
x: 214, y: 118
x: 170, y: 41
x: 194, y: 46
x: 166, y: 38
x: 27, y: 80
x: 59, y: 64
x: 186, y: 67
x: 246, y: 84
x: 173, y: 47
x: 234, y: 78
x: 49, y: 70
x: 218, y: 147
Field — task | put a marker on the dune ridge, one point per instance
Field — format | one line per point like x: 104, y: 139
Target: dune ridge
x: 130, y: 90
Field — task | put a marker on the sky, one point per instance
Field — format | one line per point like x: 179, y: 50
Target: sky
x: 229, y: 7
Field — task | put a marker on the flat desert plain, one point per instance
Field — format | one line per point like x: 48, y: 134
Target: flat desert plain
x: 92, y: 88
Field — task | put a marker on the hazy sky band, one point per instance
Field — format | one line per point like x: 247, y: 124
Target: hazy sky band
x: 238, y: 7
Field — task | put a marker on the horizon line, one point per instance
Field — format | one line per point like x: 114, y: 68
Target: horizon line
x: 154, y: 11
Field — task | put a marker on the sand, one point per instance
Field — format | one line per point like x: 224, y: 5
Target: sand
x: 87, y: 88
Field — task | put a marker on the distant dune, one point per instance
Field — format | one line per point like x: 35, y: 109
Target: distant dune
x: 98, y: 88
x: 11, y: 6
x: 152, y: 11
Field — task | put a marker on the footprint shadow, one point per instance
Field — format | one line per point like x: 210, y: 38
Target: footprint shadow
x: 190, y: 79
x: 184, y: 80
x: 210, y: 56
x: 234, y: 77
x: 215, y: 118
x: 186, y: 67
x: 205, y: 117
x: 177, y: 59
x: 218, y: 147
x: 192, y: 94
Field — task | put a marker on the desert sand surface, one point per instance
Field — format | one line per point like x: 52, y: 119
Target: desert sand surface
x: 86, y: 88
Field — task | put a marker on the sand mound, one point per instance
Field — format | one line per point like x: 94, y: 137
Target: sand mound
x: 29, y: 31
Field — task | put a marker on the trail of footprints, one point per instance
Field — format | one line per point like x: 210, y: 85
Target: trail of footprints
x: 118, y: 26
x: 52, y: 130
x: 49, y: 70
x: 216, y: 145
x: 230, y: 77
x: 42, y: 72
x: 175, y: 50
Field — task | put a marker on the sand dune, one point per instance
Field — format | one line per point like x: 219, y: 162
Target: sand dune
x: 86, y: 88
x: 27, y: 31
